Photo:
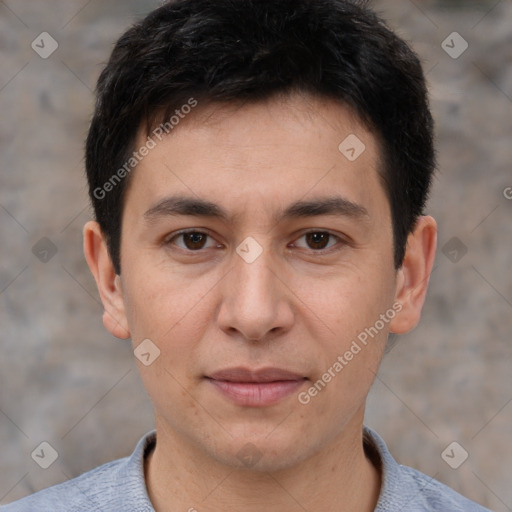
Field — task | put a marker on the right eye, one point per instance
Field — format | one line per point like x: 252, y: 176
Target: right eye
x: 192, y: 240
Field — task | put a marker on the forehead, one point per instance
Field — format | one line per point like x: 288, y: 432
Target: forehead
x: 285, y: 146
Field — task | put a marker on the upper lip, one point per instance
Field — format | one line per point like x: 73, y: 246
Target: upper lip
x: 240, y: 374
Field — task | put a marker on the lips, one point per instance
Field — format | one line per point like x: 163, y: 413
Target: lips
x: 264, y: 375
x: 256, y: 388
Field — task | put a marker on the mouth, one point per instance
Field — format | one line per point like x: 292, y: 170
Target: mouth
x: 255, y: 388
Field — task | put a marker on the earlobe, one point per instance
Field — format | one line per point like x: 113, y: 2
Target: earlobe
x: 107, y: 281
x: 414, y: 274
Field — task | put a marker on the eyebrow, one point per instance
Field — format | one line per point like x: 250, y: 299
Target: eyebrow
x: 183, y: 205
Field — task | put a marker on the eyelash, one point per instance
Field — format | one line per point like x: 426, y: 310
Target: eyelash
x: 339, y: 240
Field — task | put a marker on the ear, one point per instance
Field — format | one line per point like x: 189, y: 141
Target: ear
x: 107, y: 281
x: 414, y: 274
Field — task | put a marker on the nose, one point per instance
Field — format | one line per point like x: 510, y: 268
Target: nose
x: 256, y: 302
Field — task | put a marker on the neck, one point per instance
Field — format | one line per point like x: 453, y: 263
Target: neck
x: 337, y: 478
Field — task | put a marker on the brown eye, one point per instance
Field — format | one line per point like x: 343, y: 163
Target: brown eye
x: 318, y: 239
x: 194, y: 240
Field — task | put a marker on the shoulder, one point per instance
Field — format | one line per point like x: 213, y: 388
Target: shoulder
x: 116, y: 486
x: 405, y: 488
x: 432, y: 495
x: 86, y: 492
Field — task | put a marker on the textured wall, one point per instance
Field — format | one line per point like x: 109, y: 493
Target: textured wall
x: 64, y: 380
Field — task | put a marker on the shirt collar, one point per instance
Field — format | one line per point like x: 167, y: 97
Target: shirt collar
x: 391, y: 495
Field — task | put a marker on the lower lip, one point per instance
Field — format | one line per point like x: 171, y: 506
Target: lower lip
x: 257, y: 394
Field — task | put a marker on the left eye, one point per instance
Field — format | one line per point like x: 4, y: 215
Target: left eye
x: 318, y: 240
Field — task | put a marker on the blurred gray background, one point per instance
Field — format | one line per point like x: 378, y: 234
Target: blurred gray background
x: 65, y: 380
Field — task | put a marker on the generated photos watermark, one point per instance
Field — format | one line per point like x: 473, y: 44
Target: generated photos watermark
x: 356, y: 347
x: 152, y: 141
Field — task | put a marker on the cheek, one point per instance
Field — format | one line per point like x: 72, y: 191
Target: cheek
x: 160, y: 301
x: 348, y: 301
x: 351, y: 339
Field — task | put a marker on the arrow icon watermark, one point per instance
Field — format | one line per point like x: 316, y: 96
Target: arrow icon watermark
x: 249, y: 250
x: 44, y: 45
x: 147, y: 352
x: 44, y: 455
x: 351, y: 147
x: 454, y: 249
x: 454, y: 455
x: 44, y: 250
x: 454, y: 45
x: 249, y: 455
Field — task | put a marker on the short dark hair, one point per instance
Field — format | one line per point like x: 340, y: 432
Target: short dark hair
x: 249, y: 51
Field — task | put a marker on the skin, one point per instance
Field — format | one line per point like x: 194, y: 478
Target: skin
x: 296, y: 307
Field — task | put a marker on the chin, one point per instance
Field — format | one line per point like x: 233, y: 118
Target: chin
x: 266, y: 453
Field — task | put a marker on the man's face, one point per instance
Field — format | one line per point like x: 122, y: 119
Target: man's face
x: 211, y: 301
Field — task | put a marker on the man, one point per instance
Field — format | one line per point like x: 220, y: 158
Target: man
x: 259, y: 171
